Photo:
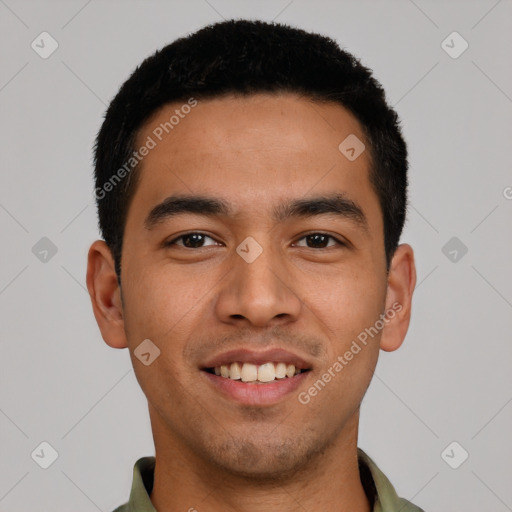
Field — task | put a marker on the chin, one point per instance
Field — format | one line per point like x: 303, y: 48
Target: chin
x: 270, y: 462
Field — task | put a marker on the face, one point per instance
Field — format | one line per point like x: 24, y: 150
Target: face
x: 261, y: 271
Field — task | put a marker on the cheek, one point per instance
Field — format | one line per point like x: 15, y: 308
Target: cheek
x: 160, y: 308
x: 338, y: 390
x: 347, y: 304
x: 160, y: 302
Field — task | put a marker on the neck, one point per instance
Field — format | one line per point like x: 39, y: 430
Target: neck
x: 185, y: 481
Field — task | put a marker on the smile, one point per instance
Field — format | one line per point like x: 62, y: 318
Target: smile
x: 253, y: 373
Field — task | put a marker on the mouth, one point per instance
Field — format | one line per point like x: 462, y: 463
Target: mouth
x: 250, y: 373
x: 256, y: 378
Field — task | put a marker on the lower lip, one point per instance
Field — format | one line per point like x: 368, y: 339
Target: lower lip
x: 256, y: 394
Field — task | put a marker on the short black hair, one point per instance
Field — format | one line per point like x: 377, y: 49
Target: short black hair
x: 245, y: 57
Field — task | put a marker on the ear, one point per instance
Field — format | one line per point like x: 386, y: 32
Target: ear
x: 105, y: 294
x: 401, y: 283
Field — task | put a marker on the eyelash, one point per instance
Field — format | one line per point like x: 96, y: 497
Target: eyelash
x: 172, y: 242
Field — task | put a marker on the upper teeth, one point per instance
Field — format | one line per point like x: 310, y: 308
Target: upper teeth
x: 248, y: 372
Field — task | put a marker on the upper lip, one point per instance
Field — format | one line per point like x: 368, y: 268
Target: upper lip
x: 243, y: 355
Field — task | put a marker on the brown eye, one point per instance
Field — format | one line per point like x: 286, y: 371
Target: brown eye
x: 320, y: 240
x: 193, y: 240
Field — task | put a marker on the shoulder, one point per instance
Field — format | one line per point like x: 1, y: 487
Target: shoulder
x: 379, y: 488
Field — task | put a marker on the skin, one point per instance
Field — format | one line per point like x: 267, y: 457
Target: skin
x: 193, y: 303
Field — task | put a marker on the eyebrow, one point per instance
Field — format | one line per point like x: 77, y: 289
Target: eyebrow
x: 336, y: 204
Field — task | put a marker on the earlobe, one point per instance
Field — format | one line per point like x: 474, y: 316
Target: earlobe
x: 401, y: 283
x: 105, y: 294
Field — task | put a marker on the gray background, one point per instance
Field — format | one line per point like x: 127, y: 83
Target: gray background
x: 450, y: 381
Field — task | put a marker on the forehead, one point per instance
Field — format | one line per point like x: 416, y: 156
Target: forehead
x: 284, y: 121
x: 253, y: 150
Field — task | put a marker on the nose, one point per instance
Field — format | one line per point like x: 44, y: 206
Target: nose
x: 260, y: 293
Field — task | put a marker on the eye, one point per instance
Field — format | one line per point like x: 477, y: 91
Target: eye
x: 196, y: 240
x: 319, y: 240
x: 191, y: 240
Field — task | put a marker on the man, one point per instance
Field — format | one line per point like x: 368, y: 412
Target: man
x: 251, y: 186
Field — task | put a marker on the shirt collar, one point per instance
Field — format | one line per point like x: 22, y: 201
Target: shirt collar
x: 378, y: 488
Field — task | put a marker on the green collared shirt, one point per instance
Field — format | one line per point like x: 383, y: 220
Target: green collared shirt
x: 378, y: 488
